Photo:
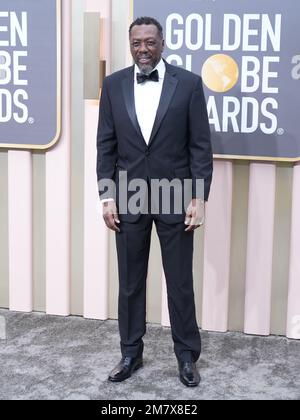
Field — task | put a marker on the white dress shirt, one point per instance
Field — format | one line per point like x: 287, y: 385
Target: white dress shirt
x: 146, y: 97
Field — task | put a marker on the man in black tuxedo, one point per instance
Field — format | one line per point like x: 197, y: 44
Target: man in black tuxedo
x: 153, y: 124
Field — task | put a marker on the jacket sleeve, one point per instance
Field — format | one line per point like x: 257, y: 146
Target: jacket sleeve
x: 107, y: 150
x: 201, y: 157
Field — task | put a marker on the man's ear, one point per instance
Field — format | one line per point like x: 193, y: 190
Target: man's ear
x: 163, y: 44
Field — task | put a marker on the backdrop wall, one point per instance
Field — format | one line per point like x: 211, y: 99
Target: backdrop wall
x: 56, y: 255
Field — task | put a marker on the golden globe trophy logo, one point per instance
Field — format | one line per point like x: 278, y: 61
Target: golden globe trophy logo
x: 248, y: 55
x: 29, y: 73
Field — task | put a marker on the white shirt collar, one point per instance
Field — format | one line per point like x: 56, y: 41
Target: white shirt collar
x: 161, y: 68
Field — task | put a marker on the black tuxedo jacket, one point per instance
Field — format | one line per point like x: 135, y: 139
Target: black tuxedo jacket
x: 179, y: 146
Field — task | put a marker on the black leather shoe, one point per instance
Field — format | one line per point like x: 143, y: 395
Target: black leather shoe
x: 188, y: 374
x: 125, y: 368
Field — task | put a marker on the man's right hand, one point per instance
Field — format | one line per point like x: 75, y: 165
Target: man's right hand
x: 110, y: 215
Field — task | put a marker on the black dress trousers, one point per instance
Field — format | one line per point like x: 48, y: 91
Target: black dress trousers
x: 133, y: 245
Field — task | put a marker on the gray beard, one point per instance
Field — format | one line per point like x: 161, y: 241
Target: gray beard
x: 146, y: 69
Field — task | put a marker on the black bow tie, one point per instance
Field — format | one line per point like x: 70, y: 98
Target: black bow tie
x: 141, y: 78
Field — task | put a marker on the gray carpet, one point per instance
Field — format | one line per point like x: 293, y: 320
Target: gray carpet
x: 48, y: 357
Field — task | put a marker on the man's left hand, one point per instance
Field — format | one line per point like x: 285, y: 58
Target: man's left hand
x: 195, y: 214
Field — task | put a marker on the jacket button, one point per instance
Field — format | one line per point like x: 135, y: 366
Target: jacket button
x: 147, y: 153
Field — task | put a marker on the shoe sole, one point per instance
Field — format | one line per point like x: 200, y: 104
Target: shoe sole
x: 138, y: 366
x: 193, y: 385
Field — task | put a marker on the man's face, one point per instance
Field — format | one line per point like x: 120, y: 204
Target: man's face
x: 146, y: 47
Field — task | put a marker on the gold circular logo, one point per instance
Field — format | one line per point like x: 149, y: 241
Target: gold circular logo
x: 220, y: 73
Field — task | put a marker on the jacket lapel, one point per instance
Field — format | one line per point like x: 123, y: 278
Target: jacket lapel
x: 168, y: 90
x: 128, y: 92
